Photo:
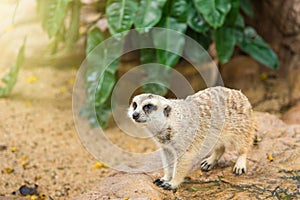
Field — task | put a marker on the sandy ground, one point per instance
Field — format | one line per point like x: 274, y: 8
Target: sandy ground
x: 38, y: 138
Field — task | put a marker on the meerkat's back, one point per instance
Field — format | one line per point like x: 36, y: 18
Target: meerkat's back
x: 238, y: 124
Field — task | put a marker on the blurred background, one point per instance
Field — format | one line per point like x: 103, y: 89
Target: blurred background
x: 255, y: 44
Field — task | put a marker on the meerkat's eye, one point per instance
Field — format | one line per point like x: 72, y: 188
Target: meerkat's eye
x: 134, y: 105
x: 149, y: 107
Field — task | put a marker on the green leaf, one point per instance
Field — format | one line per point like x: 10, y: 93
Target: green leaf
x: 179, y: 10
x: 192, y: 51
x: 95, y: 37
x: 225, y: 41
x: 165, y: 40
x: 102, y: 63
x: 196, y: 21
x: 102, y: 67
x: 120, y: 14
x: 256, y: 47
x: 158, y: 79
x: 73, y: 30
x: 213, y: 11
x: 103, y: 113
x: 53, y: 15
x: 106, y: 83
x: 147, y: 56
x: 233, y: 13
x: 175, y: 18
x: 148, y: 13
x: 10, y: 79
x: 247, y: 7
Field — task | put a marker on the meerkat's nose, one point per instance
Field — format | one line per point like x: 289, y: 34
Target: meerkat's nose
x: 135, y: 115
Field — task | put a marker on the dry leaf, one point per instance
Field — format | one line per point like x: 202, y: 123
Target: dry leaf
x: 71, y: 81
x: 99, y: 165
x: 13, y: 149
x: 270, y: 157
x: 31, y: 79
x: 7, y: 170
x: 263, y: 76
x: 28, y: 103
x: 63, y: 89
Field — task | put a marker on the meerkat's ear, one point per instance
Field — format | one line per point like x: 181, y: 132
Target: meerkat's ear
x: 167, y: 110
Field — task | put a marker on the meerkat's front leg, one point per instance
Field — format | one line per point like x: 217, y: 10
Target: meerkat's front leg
x: 182, y: 166
x: 208, y: 163
x: 168, y: 160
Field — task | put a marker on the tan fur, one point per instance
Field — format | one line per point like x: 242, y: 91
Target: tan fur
x: 181, y: 126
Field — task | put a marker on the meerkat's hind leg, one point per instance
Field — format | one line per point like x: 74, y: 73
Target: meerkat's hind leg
x: 208, y: 163
x: 240, y: 165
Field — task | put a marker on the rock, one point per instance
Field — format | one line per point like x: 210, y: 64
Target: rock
x: 292, y: 116
x: 125, y: 186
x: 294, y: 81
x: 240, y: 72
x: 265, y: 177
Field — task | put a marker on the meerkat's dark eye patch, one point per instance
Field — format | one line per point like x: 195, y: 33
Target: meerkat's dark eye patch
x: 134, y: 105
x: 149, y: 107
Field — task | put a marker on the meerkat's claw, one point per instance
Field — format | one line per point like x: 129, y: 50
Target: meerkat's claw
x: 240, y: 165
x: 239, y: 171
x: 168, y: 186
x: 206, y: 166
x: 158, y: 182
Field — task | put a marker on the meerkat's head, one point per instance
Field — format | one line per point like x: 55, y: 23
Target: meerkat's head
x: 146, y: 108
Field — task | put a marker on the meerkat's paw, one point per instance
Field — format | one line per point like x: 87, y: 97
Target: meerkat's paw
x: 169, y: 186
x: 159, y: 181
x: 240, y: 166
x: 208, y: 163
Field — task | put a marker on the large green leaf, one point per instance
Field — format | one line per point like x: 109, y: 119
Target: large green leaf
x: 213, y: 11
x: 233, y: 13
x: 102, y: 63
x: 196, y: 21
x: 247, y: 7
x: 158, y: 79
x: 194, y: 52
x: 10, y: 79
x: 256, y: 47
x: 227, y: 36
x: 179, y: 10
x: 102, y: 66
x: 166, y: 40
x: 120, y: 14
x: 53, y: 15
x: 225, y: 41
x: 95, y: 37
x: 73, y: 30
x: 175, y: 19
x: 149, y: 13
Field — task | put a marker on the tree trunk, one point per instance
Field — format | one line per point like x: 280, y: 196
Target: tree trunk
x: 278, y: 21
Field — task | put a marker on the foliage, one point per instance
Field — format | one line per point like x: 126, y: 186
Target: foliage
x: 54, y: 14
x: 10, y: 79
x: 218, y: 21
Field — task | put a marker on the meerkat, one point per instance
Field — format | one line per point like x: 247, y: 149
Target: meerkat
x: 180, y: 126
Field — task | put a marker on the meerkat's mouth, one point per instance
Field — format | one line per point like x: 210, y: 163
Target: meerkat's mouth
x: 140, y: 121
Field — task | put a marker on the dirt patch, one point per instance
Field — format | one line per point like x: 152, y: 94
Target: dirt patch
x: 38, y: 138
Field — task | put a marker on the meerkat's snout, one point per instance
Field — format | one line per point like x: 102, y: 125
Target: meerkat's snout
x: 135, y: 116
